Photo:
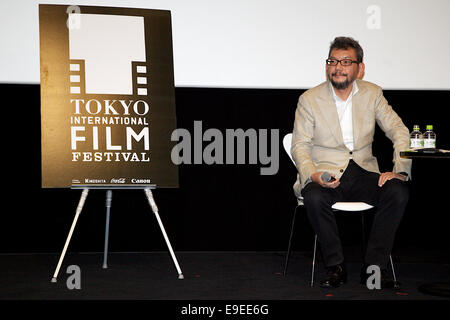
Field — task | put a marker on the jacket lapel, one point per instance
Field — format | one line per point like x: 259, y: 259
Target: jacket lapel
x: 327, y: 107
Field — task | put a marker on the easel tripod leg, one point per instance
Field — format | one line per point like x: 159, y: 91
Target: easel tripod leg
x: 152, y: 203
x: 74, y: 223
x: 108, y: 209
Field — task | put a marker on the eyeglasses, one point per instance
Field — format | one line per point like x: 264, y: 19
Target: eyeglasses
x: 344, y: 62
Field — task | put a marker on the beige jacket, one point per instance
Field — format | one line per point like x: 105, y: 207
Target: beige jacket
x: 317, y: 142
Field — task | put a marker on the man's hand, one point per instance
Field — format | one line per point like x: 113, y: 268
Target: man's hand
x: 385, y: 176
x: 316, y: 177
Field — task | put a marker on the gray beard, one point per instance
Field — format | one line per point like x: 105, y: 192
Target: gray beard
x: 340, y: 85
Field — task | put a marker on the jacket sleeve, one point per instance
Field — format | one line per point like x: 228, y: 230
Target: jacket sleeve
x: 395, y: 130
x: 302, y: 140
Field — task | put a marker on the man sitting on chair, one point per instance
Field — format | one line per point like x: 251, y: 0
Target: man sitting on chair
x: 333, y: 132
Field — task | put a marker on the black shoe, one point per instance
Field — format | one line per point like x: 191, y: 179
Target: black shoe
x: 386, y: 282
x: 335, y: 277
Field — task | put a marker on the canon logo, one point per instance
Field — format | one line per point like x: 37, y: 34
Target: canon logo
x: 140, y: 180
x: 115, y: 180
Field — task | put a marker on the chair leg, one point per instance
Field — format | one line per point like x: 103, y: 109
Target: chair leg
x: 314, y: 261
x: 363, y: 235
x: 393, y: 270
x: 364, y: 249
x: 288, y: 253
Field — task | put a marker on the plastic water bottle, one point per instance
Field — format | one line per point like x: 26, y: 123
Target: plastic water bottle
x: 416, y: 138
x: 429, y: 137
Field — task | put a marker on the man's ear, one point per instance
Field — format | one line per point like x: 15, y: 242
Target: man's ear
x: 361, y: 67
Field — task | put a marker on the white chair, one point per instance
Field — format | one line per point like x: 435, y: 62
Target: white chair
x: 338, y: 206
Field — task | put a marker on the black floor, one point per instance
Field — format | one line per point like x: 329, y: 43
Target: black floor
x: 207, y: 276
x: 238, y: 285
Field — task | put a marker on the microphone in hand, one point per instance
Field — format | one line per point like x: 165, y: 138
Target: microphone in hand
x: 326, y: 177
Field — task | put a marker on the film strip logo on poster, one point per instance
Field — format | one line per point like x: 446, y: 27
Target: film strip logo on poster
x: 107, y: 96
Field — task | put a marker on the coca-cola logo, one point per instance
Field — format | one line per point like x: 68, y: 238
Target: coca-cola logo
x: 118, y: 180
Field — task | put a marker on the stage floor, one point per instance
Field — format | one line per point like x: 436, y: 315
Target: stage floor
x: 207, y: 276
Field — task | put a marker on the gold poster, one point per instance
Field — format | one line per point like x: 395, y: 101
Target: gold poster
x: 107, y: 97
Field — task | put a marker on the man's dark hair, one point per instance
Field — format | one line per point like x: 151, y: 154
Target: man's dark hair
x: 344, y: 43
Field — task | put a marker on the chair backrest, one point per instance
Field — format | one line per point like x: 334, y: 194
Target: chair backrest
x: 287, y: 142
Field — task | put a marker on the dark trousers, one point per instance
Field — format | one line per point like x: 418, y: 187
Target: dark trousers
x: 357, y: 184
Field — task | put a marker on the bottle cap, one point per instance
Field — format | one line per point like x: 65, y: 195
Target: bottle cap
x: 416, y: 127
x: 429, y: 127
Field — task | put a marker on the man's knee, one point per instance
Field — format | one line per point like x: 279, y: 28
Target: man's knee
x: 397, y: 190
x: 314, y: 194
